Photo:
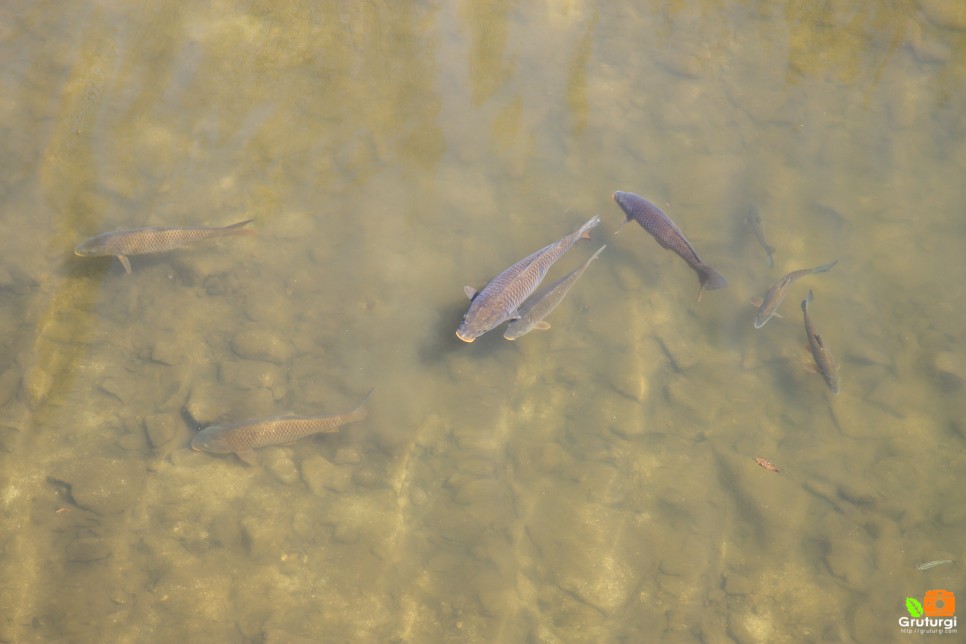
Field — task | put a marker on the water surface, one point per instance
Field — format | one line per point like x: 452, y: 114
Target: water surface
x: 594, y: 482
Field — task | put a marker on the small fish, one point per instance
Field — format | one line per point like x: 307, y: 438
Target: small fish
x: 823, y: 357
x: 241, y: 438
x: 141, y: 241
x: 933, y: 564
x: 533, y: 311
x: 668, y: 235
x: 501, y: 298
x: 773, y: 298
x: 767, y: 465
x: 754, y: 220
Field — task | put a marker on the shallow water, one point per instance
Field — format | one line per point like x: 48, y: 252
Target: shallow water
x: 593, y: 482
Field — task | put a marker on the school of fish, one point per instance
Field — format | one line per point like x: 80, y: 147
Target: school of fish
x: 511, y: 296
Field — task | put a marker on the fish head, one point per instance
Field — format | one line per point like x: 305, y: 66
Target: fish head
x: 211, y: 439
x: 620, y: 198
x: 88, y: 247
x: 478, y: 321
x: 468, y: 333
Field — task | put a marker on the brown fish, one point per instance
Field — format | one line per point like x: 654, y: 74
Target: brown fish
x: 767, y: 465
x: 501, y: 298
x: 776, y: 294
x: 141, y: 241
x: 668, y: 235
x: 243, y: 437
x: 543, y: 302
x: 823, y: 357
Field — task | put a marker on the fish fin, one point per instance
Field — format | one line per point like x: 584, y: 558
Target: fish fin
x: 711, y: 279
x: 240, y: 224
x: 126, y: 264
x: 360, y: 411
x: 247, y: 455
x: 470, y: 292
x: 541, y: 326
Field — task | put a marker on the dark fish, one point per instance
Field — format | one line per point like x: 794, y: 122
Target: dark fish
x: 141, y: 241
x: 543, y: 302
x: 243, y: 437
x: 823, y: 357
x: 667, y: 234
x: 767, y: 465
x: 773, y: 298
x: 754, y: 220
x: 501, y: 298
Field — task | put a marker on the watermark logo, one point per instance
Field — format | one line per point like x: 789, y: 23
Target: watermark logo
x: 935, y: 615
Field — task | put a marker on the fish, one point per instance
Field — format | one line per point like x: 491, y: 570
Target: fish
x: 767, y: 465
x: 534, y: 310
x: 823, y: 357
x: 501, y: 298
x: 754, y: 220
x: 933, y: 564
x: 243, y: 437
x: 668, y: 235
x: 773, y: 298
x: 153, y: 239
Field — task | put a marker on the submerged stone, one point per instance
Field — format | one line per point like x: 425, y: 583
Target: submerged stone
x: 85, y: 549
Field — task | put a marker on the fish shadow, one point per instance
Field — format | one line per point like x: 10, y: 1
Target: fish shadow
x: 441, y: 341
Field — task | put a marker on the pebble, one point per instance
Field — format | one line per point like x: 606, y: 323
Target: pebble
x: 256, y: 344
x: 85, y: 549
x: 36, y: 386
x: 323, y: 477
x: 277, y: 462
x: 347, y: 456
x: 9, y: 382
x: 168, y: 352
x: 261, y: 538
x: 949, y: 371
x: 116, y: 387
x: 204, y: 405
x: 944, y: 13
x: 102, y: 485
x: 160, y: 429
x: 254, y: 374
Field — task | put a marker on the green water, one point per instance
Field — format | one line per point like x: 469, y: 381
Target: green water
x: 594, y: 482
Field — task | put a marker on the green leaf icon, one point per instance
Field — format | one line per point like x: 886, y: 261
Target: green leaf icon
x: 913, y: 606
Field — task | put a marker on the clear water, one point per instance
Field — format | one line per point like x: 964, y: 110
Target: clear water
x: 594, y: 482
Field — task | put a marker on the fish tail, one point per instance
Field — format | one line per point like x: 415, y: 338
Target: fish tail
x: 585, y: 229
x: 807, y: 301
x: 360, y: 411
x: 711, y: 279
x: 825, y: 267
x: 237, y: 228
